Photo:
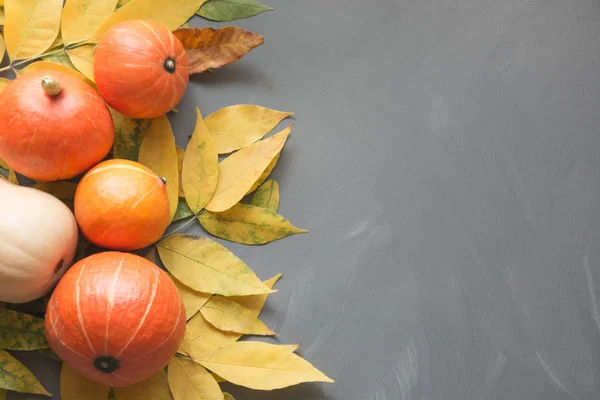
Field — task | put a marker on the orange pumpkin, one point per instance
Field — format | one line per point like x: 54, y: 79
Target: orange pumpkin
x: 122, y: 205
x: 115, y: 318
x: 141, y: 69
x: 53, y: 126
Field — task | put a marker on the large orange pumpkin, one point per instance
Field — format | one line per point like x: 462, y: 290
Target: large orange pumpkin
x: 116, y: 318
x: 141, y: 68
x: 53, y: 126
x: 122, y: 205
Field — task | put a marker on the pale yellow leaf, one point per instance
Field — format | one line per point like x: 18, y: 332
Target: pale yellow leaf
x: 238, y: 126
x: 3, y: 83
x: 239, y: 171
x: 200, y: 170
x: 202, y: 337
x: 256, y: 303
x: 171, y: 13
x: 31, y: 26
x: 82, y: 58
x: 206, y: 266
x: 81, y: 18
x: 265, y: 174
x: 192, y: 300
x: 267, y: 196
x: 158, y: 153
x: 75, y: 387
x: 155, y: 388
x: 45, y: 65
x: 229, y: 316
x: 248, y: 224
x: 2, y: 48
x: 12, y: 177
x: 180, y: 156
x: 191, y: 381
x: 260, y: 366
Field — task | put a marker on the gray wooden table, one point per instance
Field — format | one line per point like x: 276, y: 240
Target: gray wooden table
x: 446, y: 160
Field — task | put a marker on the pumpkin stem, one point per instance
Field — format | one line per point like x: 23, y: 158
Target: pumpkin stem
x: 163, y: 179
x: 107, y: 364
x: 170, y: 65
x: 51, y: 86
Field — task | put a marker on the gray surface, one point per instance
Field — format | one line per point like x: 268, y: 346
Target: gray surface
x: 446, y: 160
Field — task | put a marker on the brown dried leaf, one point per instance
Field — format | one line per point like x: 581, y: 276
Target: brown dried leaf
x: 213, y: 48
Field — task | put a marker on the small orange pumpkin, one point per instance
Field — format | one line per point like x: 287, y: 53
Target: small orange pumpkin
x: 122, y: 205
x: 141, y: 69
x: 53, y: 126
x: 115, y: 318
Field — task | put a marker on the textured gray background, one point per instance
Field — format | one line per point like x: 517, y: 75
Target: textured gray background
x: 446, y: 161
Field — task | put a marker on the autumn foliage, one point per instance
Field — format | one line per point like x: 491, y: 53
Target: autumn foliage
x: 87, y: 118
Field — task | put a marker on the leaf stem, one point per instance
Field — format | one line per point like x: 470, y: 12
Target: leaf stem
x: 188, y: 222
x: 21, y: 62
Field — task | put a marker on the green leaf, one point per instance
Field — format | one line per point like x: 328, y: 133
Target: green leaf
x: 16, y: 377
x: 21, y: 331
x: 208, y: 267
x: 129, y: 134
x: 60, y: 58
x: 248, y: 224
x: 183, y: 210
x: 267, y: 196
x: 230, y: 10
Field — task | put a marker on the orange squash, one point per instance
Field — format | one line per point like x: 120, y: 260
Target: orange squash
x: 115, y: 318
x: 141, y: 68
x: 53, y: 126
x: 122, y: 205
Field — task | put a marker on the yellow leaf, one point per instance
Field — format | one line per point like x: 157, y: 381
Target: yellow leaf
x: 45, y: 65
x: 171, y: 13
x: 82, y: 58
x: 229, y: 316
x: 248, y: 224
x: 16, y: 377
x: 238, y: 126
x: 190, y: 381
x: 267, y: 196
x: 129, y: 134
x: 158, y: 153
x: 12, y: 177
x: 208, y: 267
x: 155, y: 388
x: 121, y: 3
x: 260, y: 366
x: 31, y: 26
x: 81, y: 18
x: 200, y: 170
x: 227, y: 396
x: 218, y: 379
x: 255, y: 303
x: 239, y: 172
x: 265, y: 174
x: 76, y: 387
x: 192, y: 300
x: 180, y: 156
x: 3, y: 83
x: 2, y: 48
x: 202, y: 337
x: 64, y: 191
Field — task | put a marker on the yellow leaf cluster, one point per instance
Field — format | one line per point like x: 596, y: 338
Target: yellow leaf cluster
x: 222, y: 295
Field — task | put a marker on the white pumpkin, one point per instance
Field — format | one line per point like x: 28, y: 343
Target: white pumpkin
x: 38, y: 240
